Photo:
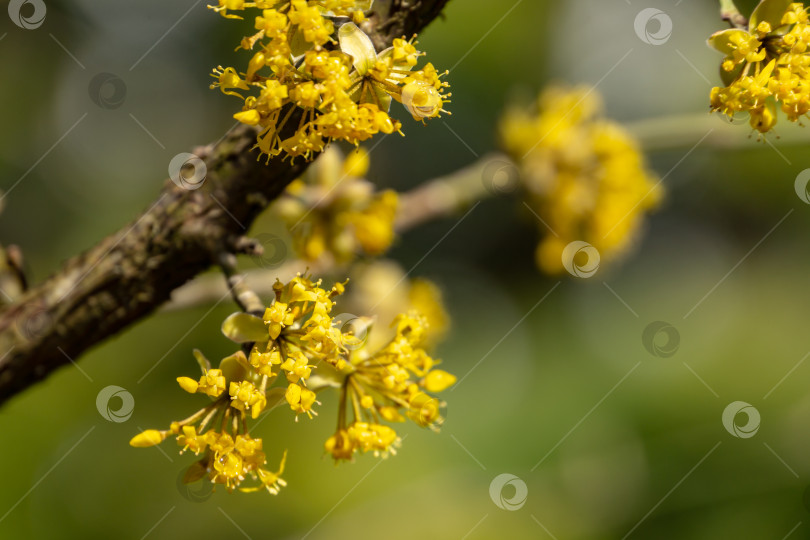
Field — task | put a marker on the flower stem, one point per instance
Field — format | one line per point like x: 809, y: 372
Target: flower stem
x: 730, y: 13
x: 247, y: 300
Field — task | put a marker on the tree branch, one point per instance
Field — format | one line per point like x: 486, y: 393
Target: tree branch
x: 132, y: 272
x: 446, y: 196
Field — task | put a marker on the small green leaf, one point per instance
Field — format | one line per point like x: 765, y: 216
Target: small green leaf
x: 770, y: 11
x: 244, y: 328
x: 721, y: 41
x: 235, y: 367
x: 358, y: 45
x: 195, y: 472
x: 325, y: 377
x: 202, y: 361
x: 375, y: 95
x: 298, y: 44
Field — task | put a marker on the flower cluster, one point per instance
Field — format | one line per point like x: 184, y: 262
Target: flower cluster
x: 381, y: 386
x: 333, y: 211
x: 230, y: 456
x: 295, y: 336
x: 303, y: 92
x: 766, y: 64
x: 583, y: 175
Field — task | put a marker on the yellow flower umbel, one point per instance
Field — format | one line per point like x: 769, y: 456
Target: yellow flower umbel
x: 219, y: 431
x: 387, y: 386
x: 296, y: 335
x: 583, y: 175
x: 766, y: 64
x: 332, y: 211
x: 302, y: 93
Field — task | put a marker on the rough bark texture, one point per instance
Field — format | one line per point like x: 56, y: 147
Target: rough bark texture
x: 132, y: 272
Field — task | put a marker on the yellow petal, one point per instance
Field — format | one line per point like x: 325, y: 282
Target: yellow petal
x: 148, y: 438
x: 356, y: 163
x: 293, y: 394
x: 391, y: 414
x: 438, y: 380
x: 235, y: 367
x: 250, y: 117
x: 188, y: 384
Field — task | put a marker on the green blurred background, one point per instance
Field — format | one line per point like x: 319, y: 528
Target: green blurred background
x: 607, y: 438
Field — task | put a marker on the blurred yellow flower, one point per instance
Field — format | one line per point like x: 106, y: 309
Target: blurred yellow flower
x: 583, y: 174
x: 381, y: 289
x: 332, y: 211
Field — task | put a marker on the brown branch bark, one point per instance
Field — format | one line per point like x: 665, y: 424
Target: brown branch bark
x: 132, y: 272
x: 434, y: 199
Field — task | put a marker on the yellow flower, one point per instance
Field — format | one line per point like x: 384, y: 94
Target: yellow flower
x: 230, y: 456
x: 296, y: 335
x: 147, y: 438
x: 382, y: 290
x: 276, y: 317
x: 438, y: 380
x: 189, y: 439
x: 373, y: 226
x: 297, y: 367
x: 266, y: 361
x: 300, y: 399
x: 271, y: 481
x: 333, y: 212
x: 363, y: 436
x: 332, y: 94
x: 211, y: 383
x: 383, y: 383
x: 765, y: 65
x: 245, y: 396
x: 315, y: 28
x: 582, y: 174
